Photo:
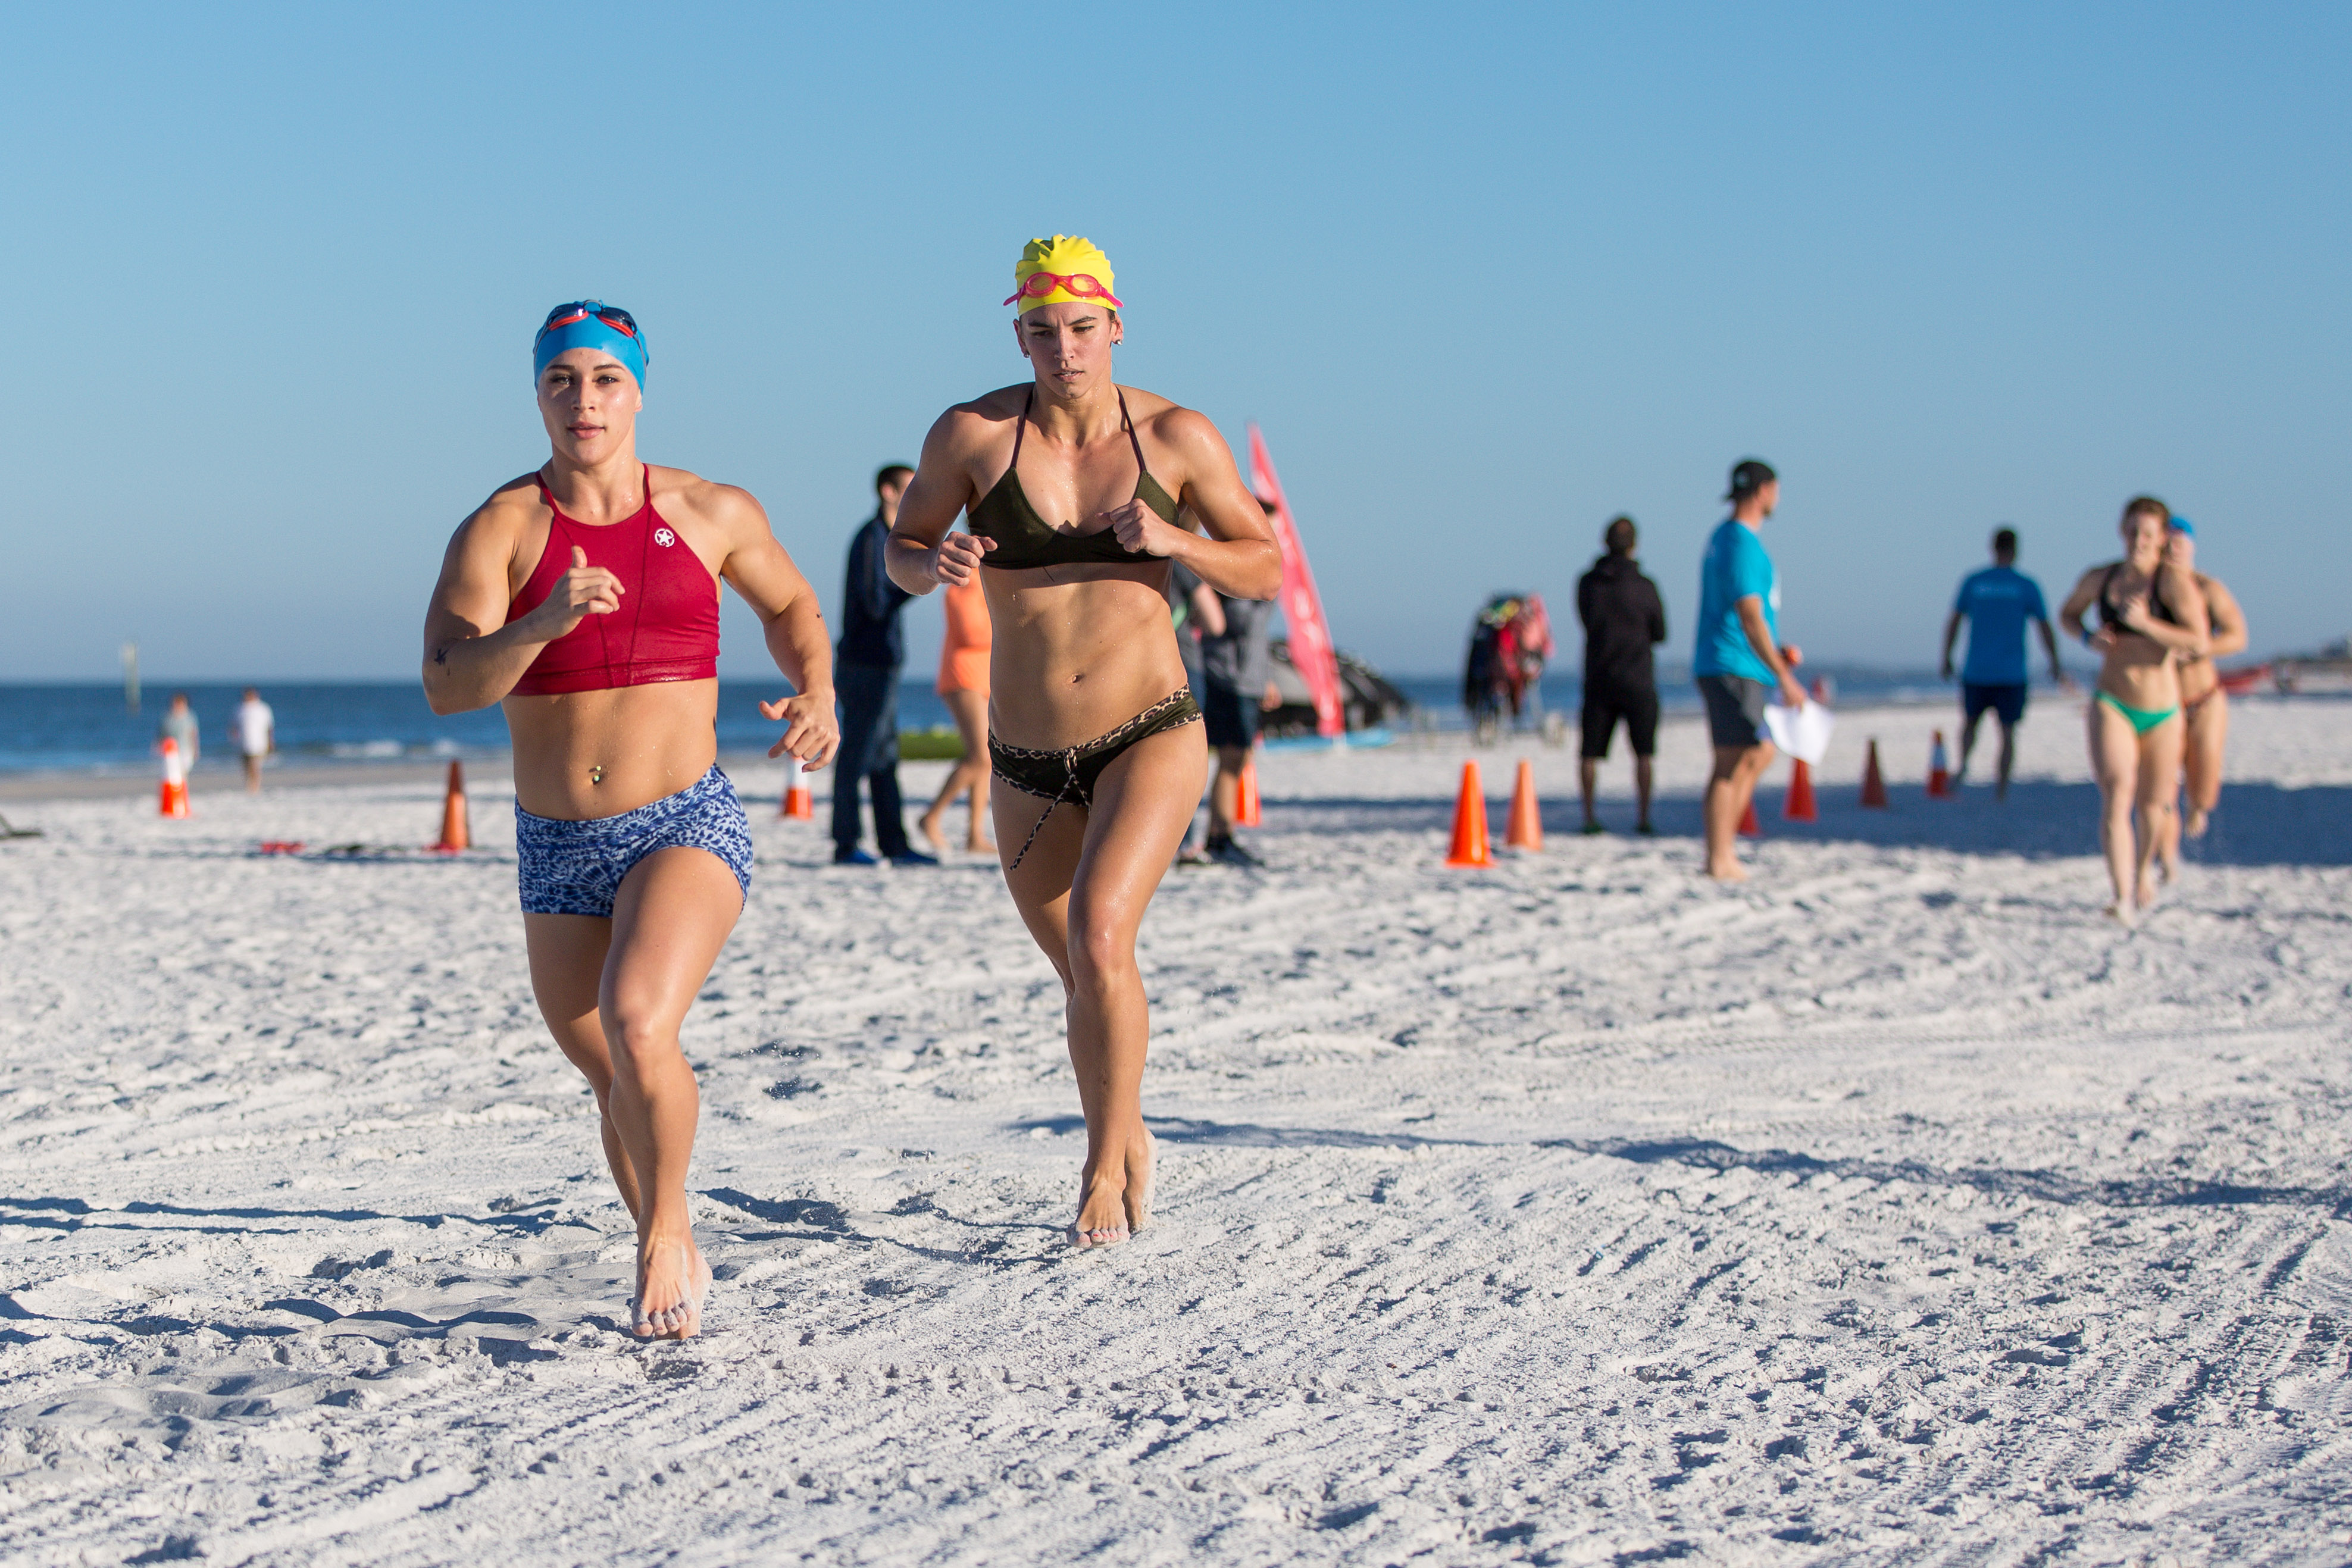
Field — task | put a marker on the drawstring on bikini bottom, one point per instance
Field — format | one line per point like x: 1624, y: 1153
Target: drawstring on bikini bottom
x: 1005, y: 760
x: 1070, y: 761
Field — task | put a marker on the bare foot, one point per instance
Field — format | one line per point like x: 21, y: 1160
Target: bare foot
x: 1139, y: 1184
x: 2195, y: 827
x: 979, y: 847
x: 2122, y: 914
x: 2145, y: 895
x: 1730, y: 871
x: 673, y: 1282
x: 930, y: 826
x: 1102, y: 1216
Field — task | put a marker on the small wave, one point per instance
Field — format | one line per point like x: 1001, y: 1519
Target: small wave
x: 366, y: 748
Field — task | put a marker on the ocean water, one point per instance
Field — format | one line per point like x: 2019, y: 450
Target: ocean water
x: 87, y: 728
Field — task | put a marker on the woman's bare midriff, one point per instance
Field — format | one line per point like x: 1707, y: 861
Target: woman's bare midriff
x: 1078, y: 650
x: 2139, y: 674
x: 648, y: 741
x: 2197, y: 679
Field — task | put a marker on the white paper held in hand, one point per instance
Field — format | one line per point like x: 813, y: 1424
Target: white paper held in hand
x: 1803, y: 732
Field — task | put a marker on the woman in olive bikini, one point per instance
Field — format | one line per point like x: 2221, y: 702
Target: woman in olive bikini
x: 1072, y: 486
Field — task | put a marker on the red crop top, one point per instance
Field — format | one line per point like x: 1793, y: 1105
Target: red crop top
x: 667, y: 628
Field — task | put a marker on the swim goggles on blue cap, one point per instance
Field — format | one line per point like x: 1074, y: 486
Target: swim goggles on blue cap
x: 2183, y: 525
x: 590, y: 324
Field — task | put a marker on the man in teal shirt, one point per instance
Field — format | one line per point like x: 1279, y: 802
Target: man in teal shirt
x: 1739, y: 661
x: 1997, y: 603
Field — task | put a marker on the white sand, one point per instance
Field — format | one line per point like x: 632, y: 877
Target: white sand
x: 1893, y: 1209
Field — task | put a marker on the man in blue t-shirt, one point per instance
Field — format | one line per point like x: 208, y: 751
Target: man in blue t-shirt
x: 1739, y: 659
x: 1997, y: 603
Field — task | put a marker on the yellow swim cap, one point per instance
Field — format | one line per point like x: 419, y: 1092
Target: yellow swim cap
x: 1063, y: 270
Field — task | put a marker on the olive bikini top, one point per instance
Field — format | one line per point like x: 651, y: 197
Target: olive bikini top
x: 1025, y: 540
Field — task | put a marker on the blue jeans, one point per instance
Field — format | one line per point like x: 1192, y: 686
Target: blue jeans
x: 869, y: 695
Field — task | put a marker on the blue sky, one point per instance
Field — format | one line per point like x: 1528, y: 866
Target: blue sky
x: 1485, y: 275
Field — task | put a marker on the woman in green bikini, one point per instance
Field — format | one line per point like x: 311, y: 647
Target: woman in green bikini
x: 1072, y: 485
x: 2152, y: 616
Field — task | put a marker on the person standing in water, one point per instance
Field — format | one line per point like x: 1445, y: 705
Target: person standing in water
x: 1624, y: 620
x: 1071, y: 484
x: 583, y: 597
x: 1739, y: 661
x: 1997, y: 603
x: 2203, y: 704
x: 963, y: 687
x: 2151, y: 617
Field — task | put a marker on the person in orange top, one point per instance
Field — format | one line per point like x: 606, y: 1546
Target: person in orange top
x: 963, y: 687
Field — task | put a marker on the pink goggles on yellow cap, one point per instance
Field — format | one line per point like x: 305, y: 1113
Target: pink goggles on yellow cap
x: 1082, y: 284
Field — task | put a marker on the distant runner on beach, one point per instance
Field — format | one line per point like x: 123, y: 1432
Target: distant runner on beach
x: 1739, y: 665
x: 1997, y: 603
x: 584, y: 598
x: 1624, y: 620
x: 1071, y: 484
x: 2202, y: 701
x: 2151, y: 616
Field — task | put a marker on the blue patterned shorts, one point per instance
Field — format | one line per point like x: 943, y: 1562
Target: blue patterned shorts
x: 575, y: 868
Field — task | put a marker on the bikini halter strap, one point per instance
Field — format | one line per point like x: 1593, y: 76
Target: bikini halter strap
x: 1021, y: 429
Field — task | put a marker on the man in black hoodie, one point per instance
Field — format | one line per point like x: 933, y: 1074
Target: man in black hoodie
x: 1623, y: 620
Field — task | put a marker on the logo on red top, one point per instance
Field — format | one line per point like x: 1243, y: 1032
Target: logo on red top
x: 664, y: 537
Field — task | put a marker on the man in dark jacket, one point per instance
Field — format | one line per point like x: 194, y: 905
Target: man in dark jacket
x: 865, y: 675
x: 1623, y: 620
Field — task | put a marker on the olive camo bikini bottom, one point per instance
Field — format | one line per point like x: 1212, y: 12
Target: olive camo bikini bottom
x: 1071, y: 773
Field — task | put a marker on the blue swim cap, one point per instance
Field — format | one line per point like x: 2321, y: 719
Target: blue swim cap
x: 590, y: 324
x: 2181, y: 525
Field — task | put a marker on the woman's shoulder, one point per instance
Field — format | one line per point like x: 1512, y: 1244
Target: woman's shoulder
x: 681, y: 496
x: 968, y: 426
x: 1146, y: 407
x: 511, y: 508
x: 1170, y: 423
x: 990, y: 408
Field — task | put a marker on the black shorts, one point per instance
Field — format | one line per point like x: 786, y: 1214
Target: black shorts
x: 1735, y: 709
x: 1604, y: 706
x: 1230, y: 717
x: 2009, y: 702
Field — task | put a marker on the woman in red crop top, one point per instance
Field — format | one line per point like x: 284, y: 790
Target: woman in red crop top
x: 584, y: 598
x: 1074, y: 485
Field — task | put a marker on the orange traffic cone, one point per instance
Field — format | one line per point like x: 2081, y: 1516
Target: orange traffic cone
x: 454, y: 823
x: 1874, y: 784
x: 1526, y: 829
x: 1470, y: 822
x: 798, y: 804
x: 174, y: 800
x: 1750, y: 827
x: 1246, y: 808
x: 1797, y: 806
x: 1939, y: 773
